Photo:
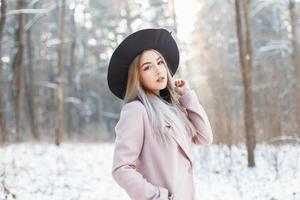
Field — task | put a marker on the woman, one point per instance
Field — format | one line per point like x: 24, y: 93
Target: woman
x: 160, y: 120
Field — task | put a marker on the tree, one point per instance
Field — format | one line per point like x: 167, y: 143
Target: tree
x: 243, y: 34
x: 18, y: 69
x: 212, y: 71
x: 70, y: 111
x: 29, y: 78
x: 2, y: 116
x: 295, y: 58
x: 60, y: 79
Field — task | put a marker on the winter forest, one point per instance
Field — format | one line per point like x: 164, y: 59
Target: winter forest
x: 57, y: 115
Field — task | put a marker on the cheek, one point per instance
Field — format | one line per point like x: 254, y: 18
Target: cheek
x: 144, y: 79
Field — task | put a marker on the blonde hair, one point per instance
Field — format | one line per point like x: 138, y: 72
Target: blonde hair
x: 160, y: 110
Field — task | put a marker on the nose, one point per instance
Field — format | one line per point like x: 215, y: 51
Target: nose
x: 157, y: 69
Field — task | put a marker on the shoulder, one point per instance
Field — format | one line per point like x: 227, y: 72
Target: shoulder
x: 131, y: 121
x: 132, y: 113
x: 134, y: 107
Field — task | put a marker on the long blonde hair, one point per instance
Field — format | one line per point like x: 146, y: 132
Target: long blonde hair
x: 160, y: 110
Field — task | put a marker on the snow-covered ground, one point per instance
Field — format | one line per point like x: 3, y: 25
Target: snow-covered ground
x: 83, y: 172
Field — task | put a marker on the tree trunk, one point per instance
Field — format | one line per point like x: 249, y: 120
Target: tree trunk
x: 18, y: 82
x: 295, y: 60
x: 71, y: 73
x: 171, y: 4
x: 2, y: 106
x: 173, y: 15
x: 44, y: 118
x: 29, y: 91
x: 59, y: 129
x: 246, y: 65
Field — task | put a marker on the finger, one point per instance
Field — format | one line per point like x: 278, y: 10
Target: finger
x: 181, y: 83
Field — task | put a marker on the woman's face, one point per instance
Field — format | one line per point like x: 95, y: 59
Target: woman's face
x: 153, y: 72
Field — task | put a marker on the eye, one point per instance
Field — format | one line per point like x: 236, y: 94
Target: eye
x: 146, y: 68
x: 160, y: 62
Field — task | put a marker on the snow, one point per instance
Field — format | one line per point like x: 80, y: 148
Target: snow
x: 82, y: 171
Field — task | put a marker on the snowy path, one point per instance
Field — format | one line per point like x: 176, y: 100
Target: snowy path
x: 82, y: 172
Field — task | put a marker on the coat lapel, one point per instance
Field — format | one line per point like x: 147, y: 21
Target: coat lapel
x: 182, y: 142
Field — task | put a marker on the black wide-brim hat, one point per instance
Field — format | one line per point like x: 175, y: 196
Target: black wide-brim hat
x: 158, y: 39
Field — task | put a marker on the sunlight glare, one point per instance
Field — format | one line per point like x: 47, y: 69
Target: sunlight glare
x: 186, y: 17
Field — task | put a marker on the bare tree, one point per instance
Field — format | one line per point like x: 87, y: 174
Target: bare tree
x: 60, y: 79
x: 18, y: 69
x: 2, y: 116
x: 29, y: 87
x: 173, y: 15
x: 71, y: 73
x: 243, y: 34
x: 295, y: 58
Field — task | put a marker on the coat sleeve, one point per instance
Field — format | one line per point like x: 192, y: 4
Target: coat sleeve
x: 198, y: 117
x: 128, y: 145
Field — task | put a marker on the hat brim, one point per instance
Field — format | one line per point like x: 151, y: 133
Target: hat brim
x: 158, y: 39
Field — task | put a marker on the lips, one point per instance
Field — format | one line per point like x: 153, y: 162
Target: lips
x: 160, y: 79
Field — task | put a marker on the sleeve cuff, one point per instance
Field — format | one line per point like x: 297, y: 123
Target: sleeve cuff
x: 186, y: 97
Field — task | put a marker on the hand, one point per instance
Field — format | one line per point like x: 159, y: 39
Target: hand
x: 180, y: 86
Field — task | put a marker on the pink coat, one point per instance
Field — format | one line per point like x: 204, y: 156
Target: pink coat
x: 147, y: 169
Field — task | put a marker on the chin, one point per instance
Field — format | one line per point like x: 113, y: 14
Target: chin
x: 161, y: 88
x: 164, y: 87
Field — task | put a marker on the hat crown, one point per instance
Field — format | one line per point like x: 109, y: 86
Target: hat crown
x: 134, y: 44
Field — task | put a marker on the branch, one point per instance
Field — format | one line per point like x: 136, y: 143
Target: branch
x: 27, y: 11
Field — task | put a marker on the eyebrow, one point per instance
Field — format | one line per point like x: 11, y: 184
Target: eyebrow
x: 157, y: 59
